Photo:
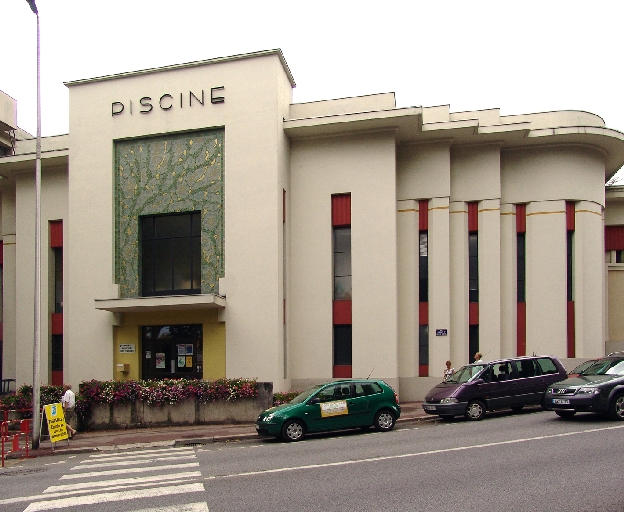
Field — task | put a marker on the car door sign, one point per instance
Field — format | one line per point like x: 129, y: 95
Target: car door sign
x: 335, y: 408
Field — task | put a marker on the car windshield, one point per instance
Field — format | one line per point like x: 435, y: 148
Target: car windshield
x: 583, y: 366
x: 606, y: 367
x: 304, y: 394
x: 466, y: 373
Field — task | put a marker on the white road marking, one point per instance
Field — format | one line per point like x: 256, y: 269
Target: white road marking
x: 109, y: 464
x: 407, y: 455
x: 113, y: 496
x: 87, y: 491
x: 139, y: 453
x: 191, y: 507
x: 126, y: 481
x: 125, y: 471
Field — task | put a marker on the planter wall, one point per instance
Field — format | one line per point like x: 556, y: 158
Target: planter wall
x: 190, y: 412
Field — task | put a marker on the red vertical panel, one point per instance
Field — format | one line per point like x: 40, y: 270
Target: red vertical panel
x: 570, y: 214
x: 57, y: 377
x: 521, y: 218
x: 423, y: 215
x: 56, y: 234
x: 521, y: 329
x: 614, y: 238
x: 473, y: 217
x: 342, y: 371
x: 341, y: 210
x: 57, y: 323
x: 423, y: 370
x: 423, y: 313
x: 342, y: 312
x: 571, y: 327
x: 473, y: 313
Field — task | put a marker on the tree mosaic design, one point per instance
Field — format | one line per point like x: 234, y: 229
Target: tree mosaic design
x: 169, y: 174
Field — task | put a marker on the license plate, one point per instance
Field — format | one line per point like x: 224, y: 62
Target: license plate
x: 561, y: 401
x: 430, y: 407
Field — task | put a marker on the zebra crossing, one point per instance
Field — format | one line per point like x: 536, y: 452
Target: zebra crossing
x: 117, y: 477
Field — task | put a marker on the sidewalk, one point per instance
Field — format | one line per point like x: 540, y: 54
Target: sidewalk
x: 189, y: 435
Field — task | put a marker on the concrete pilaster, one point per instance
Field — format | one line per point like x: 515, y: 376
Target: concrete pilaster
x: 489, y: 278
x: 588, y: 280
x: 439, y: 285
x: 458, y: 223
x: 546, y: 278
x: 407, y: 262
x: 508, y: 281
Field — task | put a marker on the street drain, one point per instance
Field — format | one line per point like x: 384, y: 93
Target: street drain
x: 198, y: 441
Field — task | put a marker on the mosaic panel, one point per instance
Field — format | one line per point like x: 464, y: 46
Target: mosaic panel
x: 167, y: 174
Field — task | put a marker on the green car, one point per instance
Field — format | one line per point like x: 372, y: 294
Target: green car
x: 333, y: 406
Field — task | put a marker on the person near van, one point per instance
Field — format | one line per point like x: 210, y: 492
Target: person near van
x: 448, y: 371
x: 478, y: 357
x: 69, y: 403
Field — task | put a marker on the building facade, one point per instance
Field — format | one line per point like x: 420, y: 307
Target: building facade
x: 197, y: 223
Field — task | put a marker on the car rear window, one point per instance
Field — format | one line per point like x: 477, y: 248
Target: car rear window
x: 367, y: 388
x: 546, y: 366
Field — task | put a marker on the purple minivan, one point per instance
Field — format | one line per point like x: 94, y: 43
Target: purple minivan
x: 504, y: 384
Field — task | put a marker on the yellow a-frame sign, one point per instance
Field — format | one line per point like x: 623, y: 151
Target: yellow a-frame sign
x: 56, y: 422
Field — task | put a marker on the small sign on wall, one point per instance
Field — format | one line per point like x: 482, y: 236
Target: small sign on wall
x: 127, y: 348
x: 441, y: 332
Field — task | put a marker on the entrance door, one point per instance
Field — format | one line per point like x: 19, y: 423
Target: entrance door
x: 172, y: 351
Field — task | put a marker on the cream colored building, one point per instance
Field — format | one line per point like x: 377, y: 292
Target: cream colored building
x: 197, y: 223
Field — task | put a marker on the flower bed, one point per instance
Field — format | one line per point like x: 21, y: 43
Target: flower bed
x: 119, y: 404
x: 22, y: 398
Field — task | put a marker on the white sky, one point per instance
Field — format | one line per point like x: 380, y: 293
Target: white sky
x: 520, y: 56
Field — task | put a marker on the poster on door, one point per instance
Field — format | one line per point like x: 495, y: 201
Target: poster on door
x: 160, y: 360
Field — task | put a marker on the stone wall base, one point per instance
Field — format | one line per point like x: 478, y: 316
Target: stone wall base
x: 139, y: 414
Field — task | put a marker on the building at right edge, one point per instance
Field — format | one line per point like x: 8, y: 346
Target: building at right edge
x: 498, y: 232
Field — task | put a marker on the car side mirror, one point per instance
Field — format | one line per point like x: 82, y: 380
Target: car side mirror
x: 314, y: 400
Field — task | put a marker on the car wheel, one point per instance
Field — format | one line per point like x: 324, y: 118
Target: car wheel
x: 616, y: 408
x: 475, y: 410
x: 293, y: 430
x: 517, y: 408
x: 384, y: 420
x: 565, y: 414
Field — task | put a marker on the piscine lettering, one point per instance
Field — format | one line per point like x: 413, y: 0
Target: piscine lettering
x: 169, y: 101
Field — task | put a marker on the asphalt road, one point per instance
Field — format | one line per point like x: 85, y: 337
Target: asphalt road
x: 507, y: 462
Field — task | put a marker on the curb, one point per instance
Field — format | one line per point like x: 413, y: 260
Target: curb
x: 176, y: 443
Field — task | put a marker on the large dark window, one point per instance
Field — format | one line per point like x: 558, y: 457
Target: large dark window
x: 172, y: 351
x: 570, y: 266
x: 342, y: 264
x: 473, y: 267
x: 473, y: 340
x: 57, y: 353
x: 58, y: 280
x: 423, y: 267
x: 171, y: 254
x: 521, y: 266
x: 342, y: 344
